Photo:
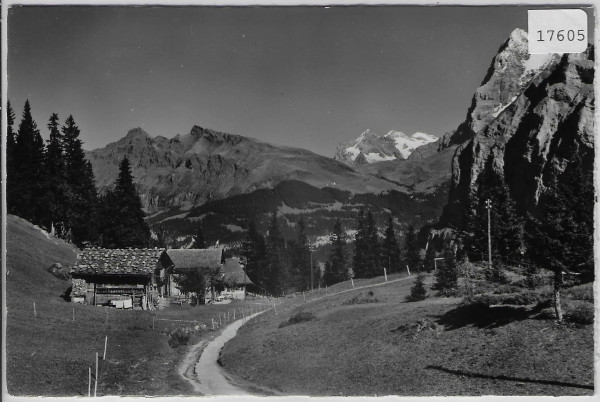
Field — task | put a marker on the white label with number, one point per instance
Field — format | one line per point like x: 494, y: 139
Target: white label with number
x: 557, y: 31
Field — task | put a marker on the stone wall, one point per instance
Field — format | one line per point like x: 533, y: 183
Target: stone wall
x: 79, y: 287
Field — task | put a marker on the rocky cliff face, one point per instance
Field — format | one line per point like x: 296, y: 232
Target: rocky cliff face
x: 543, y: 129
x: 204, y: 165
x: 511, y: 71
x: 370, y: 147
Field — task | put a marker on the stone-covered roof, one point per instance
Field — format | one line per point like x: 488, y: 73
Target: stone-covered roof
x: 194, y: 258
x: 234, y: 272
x: 102, y: 261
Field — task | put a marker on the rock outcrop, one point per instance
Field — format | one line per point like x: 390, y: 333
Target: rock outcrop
x: 545, y: 127
x: 511, y: 71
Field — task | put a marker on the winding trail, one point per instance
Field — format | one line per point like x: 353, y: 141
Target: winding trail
x: 207, y: 376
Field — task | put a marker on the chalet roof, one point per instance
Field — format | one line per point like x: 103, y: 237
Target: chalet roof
x: 195, y: 257
x: 234, y: 273
x: 131, y: 261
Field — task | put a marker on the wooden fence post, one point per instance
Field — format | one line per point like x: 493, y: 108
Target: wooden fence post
x: 34, y: 310
x: 385, y: 274
x: 105, y: 343
x: 89, y: 381
x: 352, y: 280
x: 96, y: 379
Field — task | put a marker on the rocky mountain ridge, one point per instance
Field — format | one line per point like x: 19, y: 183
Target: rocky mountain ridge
x: 204, y: 165
x: 547, y: 127
x: 510, y: 72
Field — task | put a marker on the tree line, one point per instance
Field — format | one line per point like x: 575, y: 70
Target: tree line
x: 277, y: 266
x: 51, y: 184
x: 557, y: 235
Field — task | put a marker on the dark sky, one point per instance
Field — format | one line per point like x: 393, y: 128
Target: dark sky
x: 302, y: 76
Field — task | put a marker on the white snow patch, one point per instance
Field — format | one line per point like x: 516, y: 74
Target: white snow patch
x: 376, y: 157
x: 234, y: 228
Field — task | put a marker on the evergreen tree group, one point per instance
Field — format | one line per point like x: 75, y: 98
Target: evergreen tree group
x: 52, y: 185
x: 336, y: 269
x: 367, y: 259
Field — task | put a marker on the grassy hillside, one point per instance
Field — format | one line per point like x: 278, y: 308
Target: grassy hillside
x: 50, y: 354
x: 361, y: 343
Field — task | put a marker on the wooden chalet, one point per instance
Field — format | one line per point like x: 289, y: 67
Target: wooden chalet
x: 178, y: 261
x: 235, y: 279
x: 123, y: 278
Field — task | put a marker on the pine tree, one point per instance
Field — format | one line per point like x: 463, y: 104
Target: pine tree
x: 361, y: 247
x: 447, y: 273
x: 198, y: 239
x: 11, y: 172
x: 300, y: 261
x: 430, y: 256
x: 254, y: 256
x: 276, y: 269
x: 28, y: 184
x: 335, y: 267
x: 58, y: 192
x: 418, y: 291
x: 122, y: 214
x: 373, y: 254
x: 83, y: 198
x: 411, y: 249
x: 562, y: 239
x: 391, y: 249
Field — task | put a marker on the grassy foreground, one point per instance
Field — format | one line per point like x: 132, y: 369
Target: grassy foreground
x: 50, y: 354
x: 357, y: 343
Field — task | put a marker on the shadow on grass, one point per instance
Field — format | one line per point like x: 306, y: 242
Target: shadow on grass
x: 484, y: 316
x: 507, y: 378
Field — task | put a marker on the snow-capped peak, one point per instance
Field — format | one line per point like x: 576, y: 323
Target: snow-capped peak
x: 370, y: 147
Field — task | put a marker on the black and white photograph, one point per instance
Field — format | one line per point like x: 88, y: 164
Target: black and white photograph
x: 272, y: 200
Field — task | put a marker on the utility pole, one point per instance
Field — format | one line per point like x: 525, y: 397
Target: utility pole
x: 488, y: 206
x: 311, y: 268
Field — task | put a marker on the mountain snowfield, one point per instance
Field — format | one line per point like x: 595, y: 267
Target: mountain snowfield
x: 370, y: 147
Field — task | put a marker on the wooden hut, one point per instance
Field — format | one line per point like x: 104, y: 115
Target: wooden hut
x: 179, y: 261
x: 235, y: 279
x: 124, y: 278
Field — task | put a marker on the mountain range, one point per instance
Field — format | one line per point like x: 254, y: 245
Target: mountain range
x: 529, y: 112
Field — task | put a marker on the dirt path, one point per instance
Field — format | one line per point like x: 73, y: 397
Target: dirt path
x: 207, y: 376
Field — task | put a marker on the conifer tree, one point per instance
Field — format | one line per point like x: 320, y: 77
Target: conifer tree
x: 28, y: 184
x: 122, y: 214
x: 418, y: 291
x: 430, y: 256
x: 276, y: 269
x: 335, y: 267
x: 562, y: 237
x: 198, y: 239
x: 361, y: 247
x: 254, y: 256
x: 447, y: 273
x: 300, y: 261
x: 373, y: 247
x: 58, y: 192
x: 411, y: 249
x: 391, y: 249
x: 83, y: 197
x: 11, y: 173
